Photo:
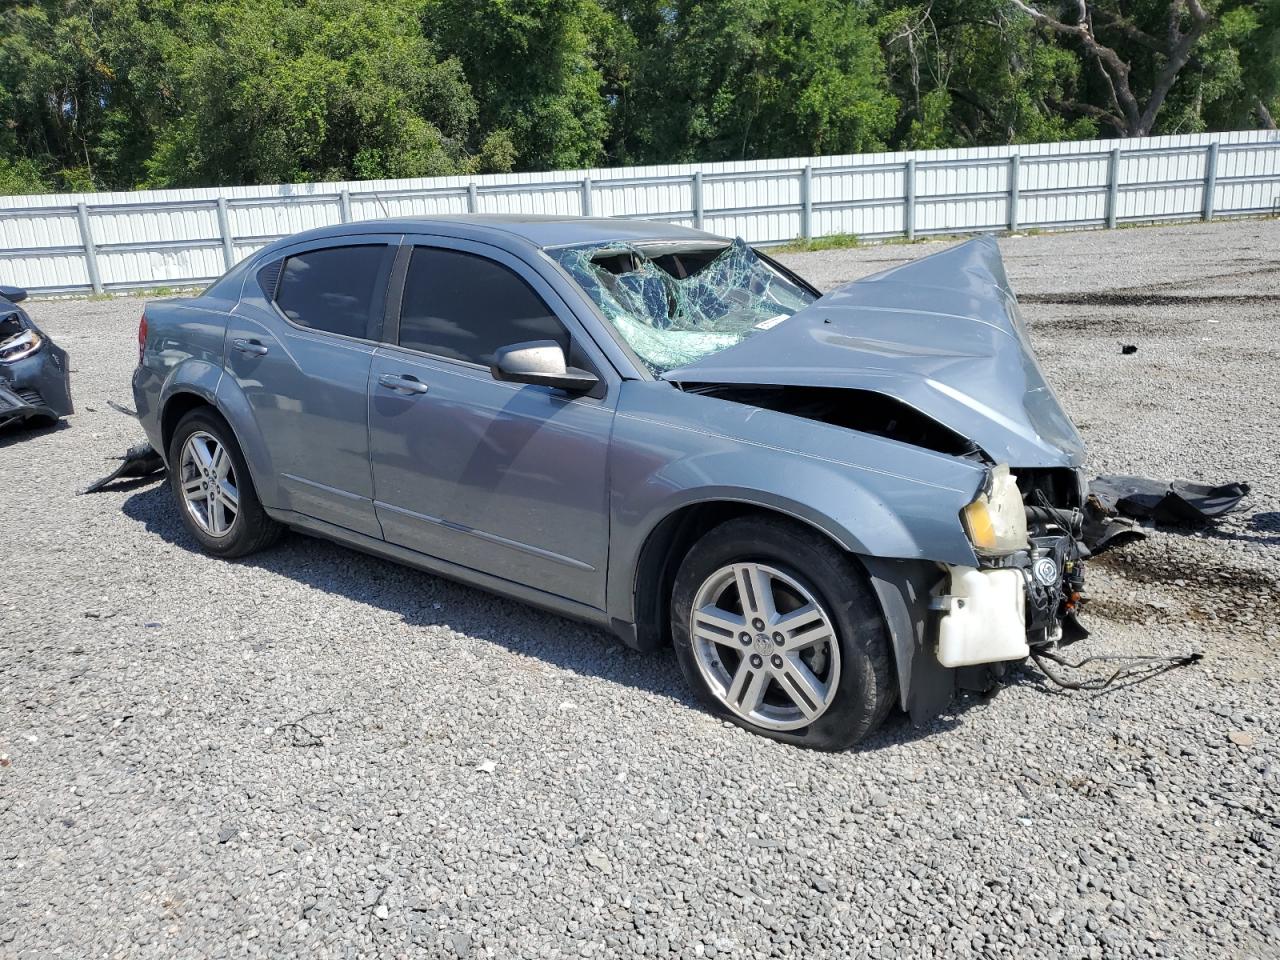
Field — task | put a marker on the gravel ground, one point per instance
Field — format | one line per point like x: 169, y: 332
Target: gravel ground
x: 317, y: 752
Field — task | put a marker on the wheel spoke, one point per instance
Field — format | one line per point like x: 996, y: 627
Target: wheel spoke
x: 192, y: 489
x: 217, y: 515
x: 746, y: 692
x: 805, y: 690
x: 804, y: 627
x: 718, y: 626
x: 228, y: 494
x: 221, y: 463
x: 755, y: 592
x: 200, y: 447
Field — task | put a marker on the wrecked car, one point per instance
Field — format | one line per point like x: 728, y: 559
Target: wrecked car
x: 828, y: 504
x: 35, y: 380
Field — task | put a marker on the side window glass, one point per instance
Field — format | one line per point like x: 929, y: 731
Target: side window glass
x: 464, y: 307
x: 337, y: 290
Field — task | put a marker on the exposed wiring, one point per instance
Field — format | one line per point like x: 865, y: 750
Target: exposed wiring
x: 1067, y: 526
x: 1130, y: 666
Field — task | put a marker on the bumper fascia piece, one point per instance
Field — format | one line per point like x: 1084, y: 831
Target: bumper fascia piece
x: 36, y: 386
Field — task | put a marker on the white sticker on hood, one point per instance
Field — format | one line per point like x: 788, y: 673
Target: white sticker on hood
x: 772, y: 322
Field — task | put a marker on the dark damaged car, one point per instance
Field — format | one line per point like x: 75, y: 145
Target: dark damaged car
x: 828, y: 504
x: 35, y: 381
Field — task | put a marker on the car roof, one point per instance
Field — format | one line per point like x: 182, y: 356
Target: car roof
x: 540, y: 231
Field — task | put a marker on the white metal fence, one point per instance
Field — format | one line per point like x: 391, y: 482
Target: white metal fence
x: 107, y: 241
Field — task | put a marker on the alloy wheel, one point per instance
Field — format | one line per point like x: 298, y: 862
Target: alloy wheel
x: 765, y: 646
x: 208, y: 483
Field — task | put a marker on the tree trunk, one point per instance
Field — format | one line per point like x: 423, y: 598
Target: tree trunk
x: 1127, y: 115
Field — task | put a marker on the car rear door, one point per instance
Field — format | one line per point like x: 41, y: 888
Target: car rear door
x: 504, y: 478
x: 299, y: 346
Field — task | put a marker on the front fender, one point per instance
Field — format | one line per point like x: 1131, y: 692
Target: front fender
x: 873, y: 496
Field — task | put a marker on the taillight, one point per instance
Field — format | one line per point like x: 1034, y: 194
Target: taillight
x: 142, y: 337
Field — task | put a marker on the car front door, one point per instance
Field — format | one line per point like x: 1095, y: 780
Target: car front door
x: 299, y: 346
x: 505, y: 478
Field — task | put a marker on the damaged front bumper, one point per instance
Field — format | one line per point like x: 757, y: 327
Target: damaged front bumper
x: 955, y: 625
x: 35, y: 377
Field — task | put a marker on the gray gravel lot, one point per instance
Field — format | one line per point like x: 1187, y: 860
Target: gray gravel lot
x: 317, y: 752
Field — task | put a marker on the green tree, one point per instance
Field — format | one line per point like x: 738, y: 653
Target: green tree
x: 283, y: 91
x: 123, y: 93
x: 531, y: 65
x: 54, y: 81
x: 972, y: 72
x: 737, y: 79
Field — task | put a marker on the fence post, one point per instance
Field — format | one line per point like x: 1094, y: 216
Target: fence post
x: 1210, y: 179
x: 1015, y: 169
x: 806, y: 203
x: 473, y: 199
x: 90, y: 252
x: 224, y: 231
x: 1113, y: 188
x: 586, y: 197
x: 909, y: 198
x: 344, y: 205
x: 699, y: 212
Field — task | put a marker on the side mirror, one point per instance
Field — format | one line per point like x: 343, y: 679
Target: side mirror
x: 540, y: 362
x: 13, y: 294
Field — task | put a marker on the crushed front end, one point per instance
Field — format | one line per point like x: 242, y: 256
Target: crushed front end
x: 1024, y: 592
x: 35, y: 377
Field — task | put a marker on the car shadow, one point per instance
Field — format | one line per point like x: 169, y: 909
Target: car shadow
x: 423, y: 599
x: 1261, y: 528
x: 20, y: 430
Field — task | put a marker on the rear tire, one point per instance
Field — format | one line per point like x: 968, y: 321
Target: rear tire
x: 215, y: 494
x: 805, y: 658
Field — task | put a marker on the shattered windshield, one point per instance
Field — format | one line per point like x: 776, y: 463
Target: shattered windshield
x: 677, y: 302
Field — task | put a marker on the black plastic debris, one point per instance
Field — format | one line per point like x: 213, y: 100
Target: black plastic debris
x: 1119, y: 507
x: 1179, y: 502
x: 140, y: 460
x: 1129, y: 348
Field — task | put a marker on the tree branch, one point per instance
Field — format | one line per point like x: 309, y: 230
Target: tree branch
x: 1264, y: 115
x: 1089, y: 110
x: 1126, y: 27
x: 1177, y: 57
x: 1116, y: 69
x: 1175, y: 50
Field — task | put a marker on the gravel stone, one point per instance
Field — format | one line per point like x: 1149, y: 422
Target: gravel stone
x: 146, y: 692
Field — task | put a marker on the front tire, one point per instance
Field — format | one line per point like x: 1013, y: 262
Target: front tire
x: 778, y: 630
x: 211, y: 483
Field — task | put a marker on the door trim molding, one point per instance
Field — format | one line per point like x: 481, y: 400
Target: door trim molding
x: 486, y: 536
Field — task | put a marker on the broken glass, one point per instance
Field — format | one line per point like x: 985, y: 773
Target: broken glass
x: 675, y: 304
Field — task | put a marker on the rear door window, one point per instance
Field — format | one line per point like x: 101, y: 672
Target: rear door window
x: 464, y: 307
x: 337, y: 290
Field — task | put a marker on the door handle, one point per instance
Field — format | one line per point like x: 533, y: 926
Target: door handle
x: 407, y: 384
x: 251, y: 347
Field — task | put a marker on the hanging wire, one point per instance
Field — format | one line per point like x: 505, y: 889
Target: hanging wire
x: 1130, y: 666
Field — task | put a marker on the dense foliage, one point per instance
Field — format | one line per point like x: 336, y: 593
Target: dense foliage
x: 117, y: 94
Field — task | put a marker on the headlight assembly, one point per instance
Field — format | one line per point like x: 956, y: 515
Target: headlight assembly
x: 996, y: 521
x: 21, y: 346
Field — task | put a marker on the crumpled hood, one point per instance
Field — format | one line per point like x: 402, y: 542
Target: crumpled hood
x: 941, y: 334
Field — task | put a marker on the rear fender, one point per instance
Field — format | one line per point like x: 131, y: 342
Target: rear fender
x: 206, y: 381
